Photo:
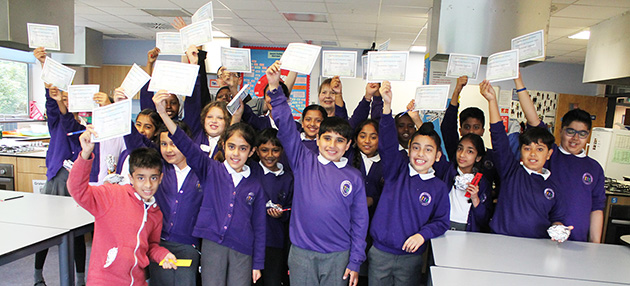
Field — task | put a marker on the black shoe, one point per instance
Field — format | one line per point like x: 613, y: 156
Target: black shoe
x: 40, y: 283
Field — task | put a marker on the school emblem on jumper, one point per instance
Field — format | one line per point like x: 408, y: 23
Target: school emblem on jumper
x: 487, y: 164
x: 549, y: 194
x: 250, y: 198
x: 425, y: 199
x: 346, y: 188
x: 483, y: 197
x: 587, y: 178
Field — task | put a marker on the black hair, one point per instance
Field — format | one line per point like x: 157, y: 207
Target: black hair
x: 144, y: 157
x: 241, y: 128
x: 285, y: 89
x: 220, y: 89
x: 578, y: 115
x: 268, y: 135
x: 227, y: 117
x: 477, y: 143
x: 535, y: 135
x: 336, y: 125
x: 401, y: 115
x: 181, y: 124
x: 356, y: 161
x: 155, y: 118
x: 427, y: 129
x: 316, y: 107
x: 472, y: 112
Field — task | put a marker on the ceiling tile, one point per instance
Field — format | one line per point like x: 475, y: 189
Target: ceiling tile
x: 260, y: 5
x: 352, y: 18
x: 404, y: 11
x: 153, y: 4
x: 141, y: 19
x: 400, y: 29
x: 104, y: 17
x: 573, y: 42
x: 108, y: 3
x: 229, y: 22
x: 310, y: 25
x: 123, y: 11
x: 317, y: 37
x: 562, y: 22
x: 610, y: 3
x: 315, y: 31
x: 416, y: 3
x: 263, y: 15
x: 355, y: 26
x: 366, y: 9
x: 568, y: 48
x: 344, y: 33
x: 563, y: 1
x: 282, y: 24
x: 590, y: 12
x: 272, y: 30
x: 561, y: 32
x: 86, y: 10
x: 403, y: 21
x: 290, y: 6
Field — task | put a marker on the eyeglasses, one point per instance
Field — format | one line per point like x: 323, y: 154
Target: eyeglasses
x: 571, y: 132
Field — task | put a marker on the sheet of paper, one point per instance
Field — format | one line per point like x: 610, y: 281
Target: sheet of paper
x: 364, y: 65
x: 460, y: 65
x: 136, y: 78
x: 236, y: 60
x: 57, y: 74
x: 235, y: 103
x: 432, y: 97
x: 505, y: 99
x: 502, y: 66
x: 169, y: 43
x: 112, y: 121
x: 177, y: 78
x: 81, y: 97
x: 384, y: 46
x: 203, y: 13
x: 300, y: 58
x: 196, y: 34
x: 46, y: 36
x: 390, y: 66
x: 341, y: 63
x: 530, y: 46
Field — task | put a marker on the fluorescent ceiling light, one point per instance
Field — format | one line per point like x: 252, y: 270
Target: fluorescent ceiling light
x: 418, y: 49
x: 167, y: 12
x: 305, y: 17
x: 584, y: 35
x: 219, y: 34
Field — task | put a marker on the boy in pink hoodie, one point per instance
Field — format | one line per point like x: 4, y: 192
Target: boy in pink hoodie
x: 127, y: 220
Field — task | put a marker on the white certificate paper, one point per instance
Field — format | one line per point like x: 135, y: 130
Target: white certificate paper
x: 203, y: 13
x: 502, y: 66
x: 136, y: 78
x: 235, y: 103
x: 460, y: 65
x: 57, y: 74
x: 236, y: 60
x: 169, y: 43
x: 112, y: 120
x: 300, y: 57
x: 432, y: 97
x: 196, y: 34
x: 530, y: 46
x: 339, y: 63
x: 46, y: 36
x: 390, y: 66
x: 81, y: 97
x: 384, y: 46
x: 364, y: 64
x: 177, y: 78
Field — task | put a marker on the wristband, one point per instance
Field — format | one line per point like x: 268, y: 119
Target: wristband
x: 522, y: 89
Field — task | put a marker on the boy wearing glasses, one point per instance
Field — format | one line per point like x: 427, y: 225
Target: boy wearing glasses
x: 583, y: 188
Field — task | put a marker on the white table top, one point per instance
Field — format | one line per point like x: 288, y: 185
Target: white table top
x: 43, y: 210
x: 17, y: 236
x: 441, y: 276
x: 541, y: 257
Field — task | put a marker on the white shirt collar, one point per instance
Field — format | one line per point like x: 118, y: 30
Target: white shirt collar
x: 459, y: 171
x: 149, y: 203
x: 400, y: 148
x: 303, y: 137
x: 424, y: 177
x: 545, y: 173
x: 267, y: 171
x: 237, y: 176
x: 273, y: 123
x: 367, y: 162
x: 342, y: 163
x: 581, y: 155
x: 181, y: 175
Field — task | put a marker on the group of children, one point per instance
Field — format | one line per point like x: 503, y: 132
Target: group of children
x: 335, y: 200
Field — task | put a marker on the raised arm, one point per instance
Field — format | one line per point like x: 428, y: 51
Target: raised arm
x: 387, y: 137
x: 289, y: 81
x: 449, y: 123
x: 193, y: 104
x: 152, y: 55
x: 527, y: 105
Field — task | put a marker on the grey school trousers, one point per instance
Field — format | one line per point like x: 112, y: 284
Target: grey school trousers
x: 389, y: 269
x: 223, y: 266
x: 313, y: 268
x: 184, y: 276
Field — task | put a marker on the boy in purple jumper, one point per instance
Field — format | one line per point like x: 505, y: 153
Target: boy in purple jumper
x: 529, y: 202
x: 329, y: 218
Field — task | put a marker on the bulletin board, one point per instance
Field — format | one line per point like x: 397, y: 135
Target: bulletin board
x: 262, y: 58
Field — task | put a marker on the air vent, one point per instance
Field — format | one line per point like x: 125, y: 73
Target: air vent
x: 305, y: 17
x: 167, y: 12
x: 322, y: 43
x: 156, y: 26
x: 119, y: 36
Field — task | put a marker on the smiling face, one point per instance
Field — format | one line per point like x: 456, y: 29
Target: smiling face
x: 145, y: 126
x: 367, y: 140
x: 172, y: 106
x: 327, y: 97
x: 269, y: 155
x: 224, y: 95
x: 215, y: 122
x: 535, y: 155
x: 423, y: 152
x: 405, y: 128
x: 310, y: 122
x: 145, y: 181
x: 471, y: 125
x: 170, y: 153
x: 237, y: 150
x: 332, y: 146
x: 467, y: 156
x: 574, y: 143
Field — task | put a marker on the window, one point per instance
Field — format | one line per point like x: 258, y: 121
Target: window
x: 13, y: 88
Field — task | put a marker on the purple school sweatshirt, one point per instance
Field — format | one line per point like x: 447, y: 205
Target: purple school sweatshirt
x: 278, y: 189
x: 329, y: 206
x: 59, y: 148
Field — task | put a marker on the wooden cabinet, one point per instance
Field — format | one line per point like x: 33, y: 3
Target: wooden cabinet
x: 25, y: 171
x: 7, y: 160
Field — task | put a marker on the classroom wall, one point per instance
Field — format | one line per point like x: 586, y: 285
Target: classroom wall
x: 128, y: 52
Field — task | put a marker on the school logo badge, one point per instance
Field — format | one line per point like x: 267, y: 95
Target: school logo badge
x: 587, y: 178
x: 482, y: 198
x: 346, y: 188
x: 549, y: 194
x: 425, y: 199
x: 250, y: 198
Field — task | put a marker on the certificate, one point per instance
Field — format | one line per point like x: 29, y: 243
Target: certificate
x: 81, y: 97
x: 530, y: 46
x: 57, y: 74
x: 364, y: 65
x: 46, y: 36
x: 300, y: 57
x: 177, y: 78
x: 235, y: 103
x: 502, y: 66
x: 112, y: 120
x: 460, y: 65
x: 136, y: 78
x: 169, y: 43
x: 390, y: 66
x: 384, y: 46
x: 236, y: 60
x: 341, y: 63
x: 432, y: 97
x: 203, y: 13
x: 196, y: 34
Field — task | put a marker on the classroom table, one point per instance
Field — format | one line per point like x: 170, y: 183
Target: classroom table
x: 44, y: 215
x: 539, y: 257
x: 442, y: 276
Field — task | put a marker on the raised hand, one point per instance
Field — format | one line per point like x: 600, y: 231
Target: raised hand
x: 273, y: 75
x: 40, y: 54
x: 87, y: 145
x: 485, y: 88
x: 193, y: 54
x: 371, y: 90
x: 386, y: 92
x: 160, y: 101
x: 152, y: 55
x: 178, y: 23
x: 461, y: 81
x: 101, y: 98
x: 335, y: 84
x: 119, y: 94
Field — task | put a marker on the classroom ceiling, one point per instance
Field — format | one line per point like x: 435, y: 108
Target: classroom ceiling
x: 350, y: 23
